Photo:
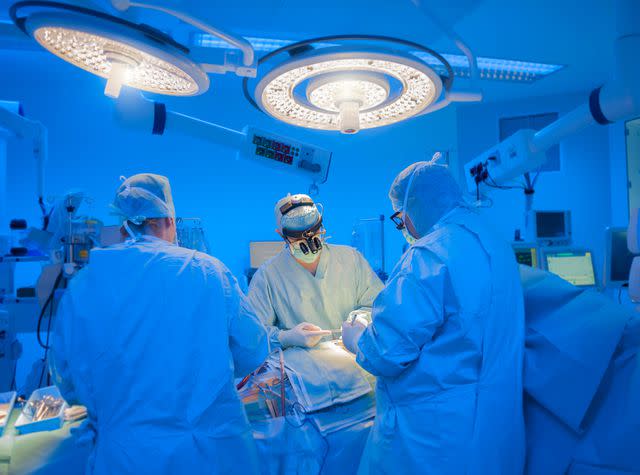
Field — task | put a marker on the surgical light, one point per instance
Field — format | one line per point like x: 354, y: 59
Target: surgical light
x: 120, y: 63
x: 349, y: 88
x: 124, y: 53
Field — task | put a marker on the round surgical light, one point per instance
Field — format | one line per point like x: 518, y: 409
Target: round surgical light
x: 121, y: 52
x: 333, y: 88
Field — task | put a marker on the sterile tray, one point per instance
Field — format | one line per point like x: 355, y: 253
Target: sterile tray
x: 7, y: 401
x: 25, y: 423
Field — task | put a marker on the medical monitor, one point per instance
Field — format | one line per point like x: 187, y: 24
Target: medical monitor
x: 526, y: 254
x: 262, y: 251
x: 573, y: 265
x: 617, y: 259
x: 552, y: 228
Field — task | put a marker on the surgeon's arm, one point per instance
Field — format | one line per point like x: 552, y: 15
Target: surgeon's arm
x: 259, y: 297
x: 406, y: 315
x: 249, y: 341
x: 369, y: 284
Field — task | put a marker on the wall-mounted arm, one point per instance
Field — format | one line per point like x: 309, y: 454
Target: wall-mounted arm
x: 134, y: 111
x: 616, y: 100
x: 475, y: 93
x: 275, y: 151
x: 33, y: 131
x: 248, y: 54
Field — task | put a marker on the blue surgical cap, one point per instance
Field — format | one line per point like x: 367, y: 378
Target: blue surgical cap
x: 425, y: 191
x: 142, y: 197
x: 298, y: 219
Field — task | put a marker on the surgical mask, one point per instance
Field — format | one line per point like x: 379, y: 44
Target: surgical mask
x: 408, y: 237
x: 307, y: 258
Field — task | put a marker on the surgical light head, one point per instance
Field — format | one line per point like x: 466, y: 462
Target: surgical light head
x: 122, y: 52
x: 300, y: 222
x: 360, y: 84
x: 425, y: 192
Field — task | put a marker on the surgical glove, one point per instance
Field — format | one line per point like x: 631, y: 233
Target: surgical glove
x: 352, y: 330
x: 304, y: 334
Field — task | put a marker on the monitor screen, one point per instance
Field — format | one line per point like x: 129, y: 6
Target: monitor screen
x: 575, y: 267
x: 619, y: 256
x: 527, y: 256
x: 262, y: 251
x: 551, y: 224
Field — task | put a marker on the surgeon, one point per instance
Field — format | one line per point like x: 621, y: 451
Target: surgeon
x: 147, y: 337
x: 310, y: 287
x: 446, y: 340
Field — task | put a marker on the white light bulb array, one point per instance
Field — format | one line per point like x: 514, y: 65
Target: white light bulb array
x: 418, y: 91
x: 106, y: 58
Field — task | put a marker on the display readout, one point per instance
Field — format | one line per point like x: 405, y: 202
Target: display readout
x: 274, y: 150
x: 574, y: 267
x: 527, y: 256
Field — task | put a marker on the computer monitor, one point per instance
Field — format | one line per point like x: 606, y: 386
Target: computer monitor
x: 552, y: 228
x: 261, y: 251
x: 573, y: 265
x: 526, y: 254
x: 617, y: 258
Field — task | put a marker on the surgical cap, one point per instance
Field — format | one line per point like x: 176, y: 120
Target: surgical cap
x: 142, y: 197
x: 298, y: 219
x: 425, y: 191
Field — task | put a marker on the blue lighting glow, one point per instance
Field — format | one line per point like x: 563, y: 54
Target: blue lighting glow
x: 489, y: 68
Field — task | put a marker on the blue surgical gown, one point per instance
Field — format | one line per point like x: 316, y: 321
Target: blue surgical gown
x: 284, y: 294
x: 446, y: 345
x: 581, y: 380
x: 148, y: 336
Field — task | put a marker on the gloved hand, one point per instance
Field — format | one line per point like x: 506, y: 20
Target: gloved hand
x: 303, y: 334
x: 352, y: 330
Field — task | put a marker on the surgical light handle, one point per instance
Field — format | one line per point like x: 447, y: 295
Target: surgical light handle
x: 248, y: 54
x: 24, y: 128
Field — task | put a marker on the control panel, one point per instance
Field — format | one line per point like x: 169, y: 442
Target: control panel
x: 286, y: 154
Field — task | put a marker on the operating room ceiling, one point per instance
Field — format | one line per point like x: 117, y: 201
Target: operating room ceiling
x: 576, y: 34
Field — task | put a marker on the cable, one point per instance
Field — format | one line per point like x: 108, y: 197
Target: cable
x: 308, y: 421
x: 45, y: 215
x: 47, y: 303
x: 14, y: 382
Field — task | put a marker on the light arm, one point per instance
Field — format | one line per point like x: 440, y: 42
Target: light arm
x: 248, y: 55
x: 617, y: 100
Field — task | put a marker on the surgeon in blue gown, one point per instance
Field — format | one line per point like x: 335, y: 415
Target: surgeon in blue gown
x: 446, y: 340
x: 147, y: 337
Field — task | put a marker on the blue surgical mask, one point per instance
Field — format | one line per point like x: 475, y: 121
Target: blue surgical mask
x: 307, y: 258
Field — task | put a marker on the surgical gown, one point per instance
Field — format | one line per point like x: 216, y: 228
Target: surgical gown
x: 284, y: 294
x: 446, y: 345
x: 147, y: 337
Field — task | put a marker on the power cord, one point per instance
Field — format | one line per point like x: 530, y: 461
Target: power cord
x: 48, y: 303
